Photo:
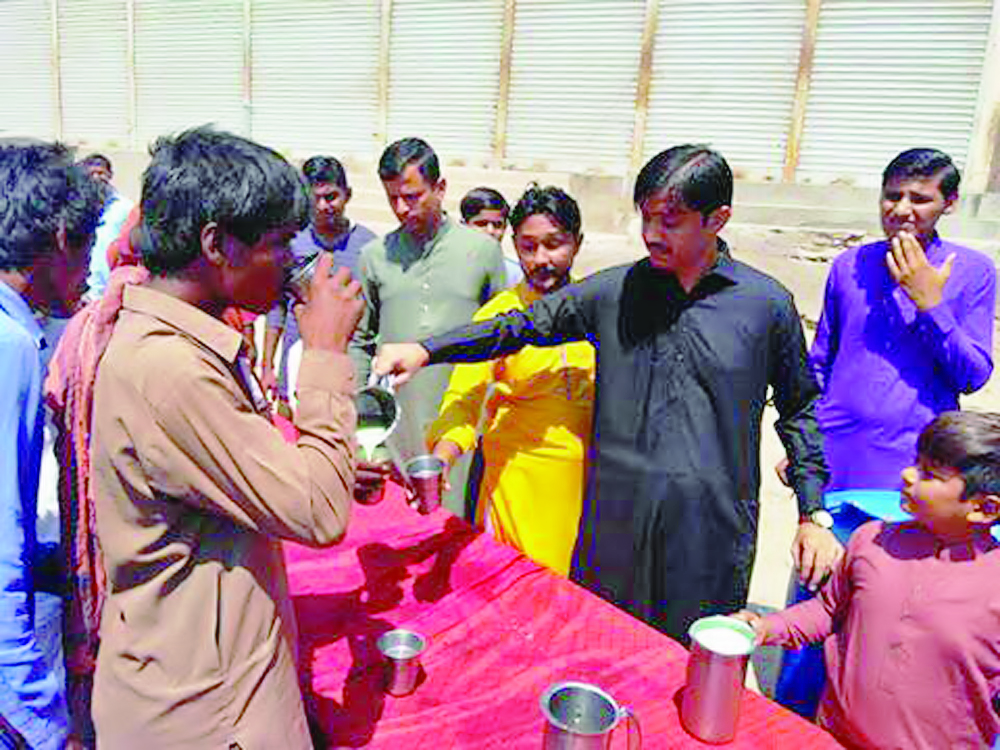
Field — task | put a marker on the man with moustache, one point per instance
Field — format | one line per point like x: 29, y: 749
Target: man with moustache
x: 688, y: 342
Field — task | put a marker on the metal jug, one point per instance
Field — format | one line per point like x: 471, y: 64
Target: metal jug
x: 376, y: 405
x: 717, y: 667
x: 579, y: 716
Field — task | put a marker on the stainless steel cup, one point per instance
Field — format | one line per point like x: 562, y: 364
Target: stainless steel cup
x: 424, y: 474
x: 401, y: 650
x: 374, y: 495
x: 299, y: 275
x: 710, y: 704
x: 579, y: 716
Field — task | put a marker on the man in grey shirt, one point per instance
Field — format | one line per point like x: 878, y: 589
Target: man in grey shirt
x: 422, y: 279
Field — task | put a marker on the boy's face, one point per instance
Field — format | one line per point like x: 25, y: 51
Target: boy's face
x: 100, y: 172
x: 914, y: 206
x: 676, y: 237
x: 933, y: 495
x: 252, y: 275
x: 491, y: 221
x: 546, y: 252
x: 60, y: 278
x: 329, y: 202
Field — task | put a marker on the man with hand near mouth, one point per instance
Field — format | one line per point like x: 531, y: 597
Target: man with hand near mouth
x: 906, y: 327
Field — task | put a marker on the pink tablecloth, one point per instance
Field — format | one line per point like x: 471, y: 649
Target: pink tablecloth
x: 501, y: 628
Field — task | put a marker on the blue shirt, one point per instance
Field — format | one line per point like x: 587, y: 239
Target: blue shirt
x: 31, y: 697
x: 116, y: 211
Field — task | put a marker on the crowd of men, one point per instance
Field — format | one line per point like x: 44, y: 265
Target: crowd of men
x: 175, y: 485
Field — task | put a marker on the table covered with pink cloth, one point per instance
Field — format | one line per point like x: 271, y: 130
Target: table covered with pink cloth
x: 501, y: 630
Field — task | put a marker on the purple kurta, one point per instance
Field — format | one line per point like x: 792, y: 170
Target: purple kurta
x: 887, y: 369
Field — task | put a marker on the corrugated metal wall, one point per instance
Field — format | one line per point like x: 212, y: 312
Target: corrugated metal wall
x: 444, y: 65
x: 724, y: 74
x: 574, y: 73
x: 27, y: 101
x: 93, y: 61
x: 188, y: 66
x: 890, y: 75
x: 315, y: 67
x: 305, y: 75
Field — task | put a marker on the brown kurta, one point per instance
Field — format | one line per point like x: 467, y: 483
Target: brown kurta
x: 194, y: 488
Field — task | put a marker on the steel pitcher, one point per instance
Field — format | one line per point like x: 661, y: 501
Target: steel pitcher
x: 579, y: 716
x: 710, y: 704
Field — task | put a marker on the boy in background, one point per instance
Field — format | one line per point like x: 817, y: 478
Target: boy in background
x: 485, y: 209
x: 329, y: 231
x: 909, y: 616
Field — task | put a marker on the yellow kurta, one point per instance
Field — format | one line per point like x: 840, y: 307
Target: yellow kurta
x: 537, y: 422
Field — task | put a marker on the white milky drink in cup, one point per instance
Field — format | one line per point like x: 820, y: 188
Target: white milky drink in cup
x: 725, y: 641
x: 369, y: 438
x: 371, y: 450
x: 710, y: 704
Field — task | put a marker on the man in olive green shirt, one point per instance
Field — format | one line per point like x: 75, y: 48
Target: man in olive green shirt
x: 424, y: 278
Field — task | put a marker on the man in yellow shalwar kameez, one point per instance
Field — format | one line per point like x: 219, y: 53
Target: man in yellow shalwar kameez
x: 538, y: 402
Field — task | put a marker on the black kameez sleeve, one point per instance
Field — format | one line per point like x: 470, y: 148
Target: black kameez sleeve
x: 795, y: 396
x: 565, y: 315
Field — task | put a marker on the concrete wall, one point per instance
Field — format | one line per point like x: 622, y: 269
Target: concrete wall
x: 606, y: 201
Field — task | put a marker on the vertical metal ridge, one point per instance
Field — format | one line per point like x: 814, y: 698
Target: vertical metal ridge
x: 503, y: 92
x: 385, y: 40
x: 57, y: 109
x: 248, y: 68
x: 131, y: 115
x: 644, y: 82
x: 803, y: 80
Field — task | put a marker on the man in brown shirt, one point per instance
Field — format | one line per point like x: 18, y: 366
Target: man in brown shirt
x: 194, y: 487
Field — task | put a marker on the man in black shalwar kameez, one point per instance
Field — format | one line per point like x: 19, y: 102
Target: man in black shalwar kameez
x: 688, y: 341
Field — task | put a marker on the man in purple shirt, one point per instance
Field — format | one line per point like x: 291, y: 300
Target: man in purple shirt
x: 906, y: 327
x: 329, y: 231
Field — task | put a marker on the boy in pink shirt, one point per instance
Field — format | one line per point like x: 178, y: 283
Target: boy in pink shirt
x: 911, y: 615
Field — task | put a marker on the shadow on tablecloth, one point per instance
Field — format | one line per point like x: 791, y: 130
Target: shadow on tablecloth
x: 354, y: 616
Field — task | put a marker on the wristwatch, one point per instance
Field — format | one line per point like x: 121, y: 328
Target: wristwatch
x: 821, y: 518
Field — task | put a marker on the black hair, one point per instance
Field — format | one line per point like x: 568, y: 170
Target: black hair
x: 41, y: 192
x: 551, y: 202
x: 97, y: 160
x: 401, y: 154
x: 205, y: 175
x: 483, y: 199
x: 696, y: 175
x: 321, y: 170
x: 968, y: 442
x: 923, y: 163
